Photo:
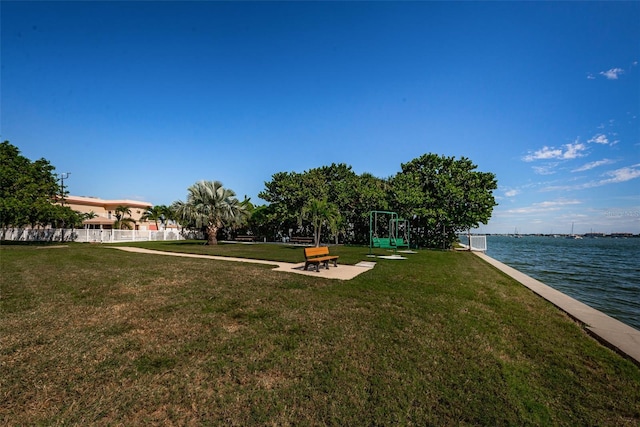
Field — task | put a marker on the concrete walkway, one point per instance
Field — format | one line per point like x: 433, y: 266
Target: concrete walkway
x: 342, y: 272
x: 613, y: 333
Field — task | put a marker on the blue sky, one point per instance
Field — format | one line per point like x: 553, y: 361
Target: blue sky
x: 140, y: 100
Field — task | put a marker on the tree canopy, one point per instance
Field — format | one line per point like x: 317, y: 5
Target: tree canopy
x: 28, y: 191
x: 353, y: 195
x: 439, y: 195
x: 442, y: 196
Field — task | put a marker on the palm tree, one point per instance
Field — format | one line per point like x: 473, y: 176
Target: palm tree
x: 241, y: 221
x: 178, y: 211
x: 169, y: 215
x: 211, y: 206
x: 121, y: 220
x: 155, y: 214
x: 87, y: 215
x: 320, y: 212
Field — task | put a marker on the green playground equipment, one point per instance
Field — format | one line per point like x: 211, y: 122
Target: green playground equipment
x: 401, y: 230
x: 396, y: 231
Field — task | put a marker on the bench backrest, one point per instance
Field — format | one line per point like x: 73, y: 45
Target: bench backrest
x: 313, y: 252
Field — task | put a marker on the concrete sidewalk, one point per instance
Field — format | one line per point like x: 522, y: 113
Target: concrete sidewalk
x: 342, y: 272
x: 613, y: 333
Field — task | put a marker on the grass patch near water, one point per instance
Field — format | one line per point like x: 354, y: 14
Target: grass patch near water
x: 89, y: 334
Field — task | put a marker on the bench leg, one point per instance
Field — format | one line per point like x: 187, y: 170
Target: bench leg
x: 317, y: 265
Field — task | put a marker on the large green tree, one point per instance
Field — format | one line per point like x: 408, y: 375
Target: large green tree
x: 27, y: 190
x: 264, y: 222
x: 353, y: 195
x: 286, y: 194
x: 443, y: 196
x: 367, y: 193
x: 210, y: 206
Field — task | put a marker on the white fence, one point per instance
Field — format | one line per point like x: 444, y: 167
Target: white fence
x: 88, y: 235
x: 478, y: 243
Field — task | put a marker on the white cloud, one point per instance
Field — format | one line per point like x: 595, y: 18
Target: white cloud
x: 574, y: 150
x: 593, y: 165
x: 622, y: 175
x: 569, y: 151
x: 511, y: 193
x: 547, y: 206
x: 544, y: 153
x: 612, y: 74
x: 545, y: 170
x: 600, y: 139
x: 558, y: 203
x: 614, y: 177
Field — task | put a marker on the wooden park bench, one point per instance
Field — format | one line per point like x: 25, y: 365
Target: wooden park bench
x: 319, y: 255
x: 301, y: 240
x: 244, y: 238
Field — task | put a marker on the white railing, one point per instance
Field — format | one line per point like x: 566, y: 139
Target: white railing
x: 478, y: 243
x: 86, y: 235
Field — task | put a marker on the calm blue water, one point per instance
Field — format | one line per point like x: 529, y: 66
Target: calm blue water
x: 603, y: 273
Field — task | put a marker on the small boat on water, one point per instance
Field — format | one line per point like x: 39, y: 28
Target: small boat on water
x: 572, y: 235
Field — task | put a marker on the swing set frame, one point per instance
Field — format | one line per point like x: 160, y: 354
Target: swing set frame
x: 393, y: 241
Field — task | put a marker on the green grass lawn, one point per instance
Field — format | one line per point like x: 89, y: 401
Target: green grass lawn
x: 92, y: 335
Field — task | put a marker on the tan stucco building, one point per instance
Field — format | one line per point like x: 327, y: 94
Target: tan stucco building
x: 105, y: 211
